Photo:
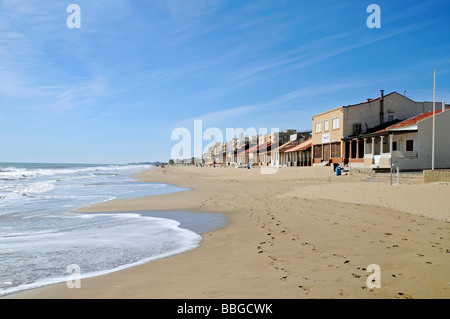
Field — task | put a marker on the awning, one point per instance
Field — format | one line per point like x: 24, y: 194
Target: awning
x: 300, y: 147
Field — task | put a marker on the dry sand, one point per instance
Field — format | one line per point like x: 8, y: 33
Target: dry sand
x: 299, y: 233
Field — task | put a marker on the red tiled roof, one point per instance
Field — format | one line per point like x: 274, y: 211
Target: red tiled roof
x: 265, y: 147
x: 411, y: 121
x: 284, y: 146
x: 242, y: 152
x: 255, y: 149
x: 300, y: 147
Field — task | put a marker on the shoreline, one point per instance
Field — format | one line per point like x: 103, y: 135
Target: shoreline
x: 294, y: 234
x: 190, y: 221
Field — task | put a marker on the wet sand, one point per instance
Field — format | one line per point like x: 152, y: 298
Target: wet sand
x: 299, y: 233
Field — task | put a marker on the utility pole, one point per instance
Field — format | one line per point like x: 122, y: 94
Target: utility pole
x: 434, y: 122
x: 391, y: 159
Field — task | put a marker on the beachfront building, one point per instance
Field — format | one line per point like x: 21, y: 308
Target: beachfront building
x: 208, y: 156
x: 253, y: 150
x: 337, y: 133
x: 231, y: 152
x: 264, y: 145
x: 253, y: 155
x: 242, y: 156
x: 272, y: 150
x: 408, y: 144
x: 278, y: 155
x: 299, y: 154
x: 220, y: 153
x: 284, y: 136
x: 242, y: 144
x: 213, y: 154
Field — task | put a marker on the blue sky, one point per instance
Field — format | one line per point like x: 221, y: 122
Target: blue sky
x: 115, y: 89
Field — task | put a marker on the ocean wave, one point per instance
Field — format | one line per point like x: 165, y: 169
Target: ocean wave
x: 15, y: 173
x: 38, y: 187
x: 132, y: 239
x: 32, y: 189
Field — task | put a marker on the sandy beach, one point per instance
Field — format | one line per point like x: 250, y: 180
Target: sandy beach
x: 300, y: 233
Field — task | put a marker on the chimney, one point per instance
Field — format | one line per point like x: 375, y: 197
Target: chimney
x: 382, y: 107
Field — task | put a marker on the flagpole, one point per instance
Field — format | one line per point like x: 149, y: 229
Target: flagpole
x: 434, y: 121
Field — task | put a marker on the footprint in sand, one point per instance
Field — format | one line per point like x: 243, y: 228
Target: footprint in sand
x: 215, y: 293
x: 306, y: 289
x: 405, y: 295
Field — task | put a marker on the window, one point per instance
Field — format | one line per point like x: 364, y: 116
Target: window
x: 326, y: 125
x: 335, y: 123
x: 319, y: 127
x: 410, y: 145
x: 394, y: 146
x: 317, y: 151
x: 336, y: 150
x: 390, y: 117
x: 356, y: 129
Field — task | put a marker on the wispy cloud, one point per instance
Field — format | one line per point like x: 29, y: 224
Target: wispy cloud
x: 149, y: 65
x: 219, y: 117
x: 304, y: 56
x: 37, y: 59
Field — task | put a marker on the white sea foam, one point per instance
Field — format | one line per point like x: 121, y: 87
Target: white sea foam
x: 35, y: 188
x: 39, y: 237
x: 135, y: 238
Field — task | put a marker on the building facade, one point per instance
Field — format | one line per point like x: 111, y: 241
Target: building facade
x: 337, y: 134
x: 408, y: 144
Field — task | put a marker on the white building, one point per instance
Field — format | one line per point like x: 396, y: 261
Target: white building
x: 337, y: 133
x: 409, y: 143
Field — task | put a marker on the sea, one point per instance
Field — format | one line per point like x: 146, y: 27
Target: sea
x: 43, y: 241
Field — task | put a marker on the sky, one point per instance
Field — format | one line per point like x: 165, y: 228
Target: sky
x: 116, y: 88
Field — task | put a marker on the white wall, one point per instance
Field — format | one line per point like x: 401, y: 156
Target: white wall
x: 442, y: 153
x: 369, y: 113
x: 406, y: 163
